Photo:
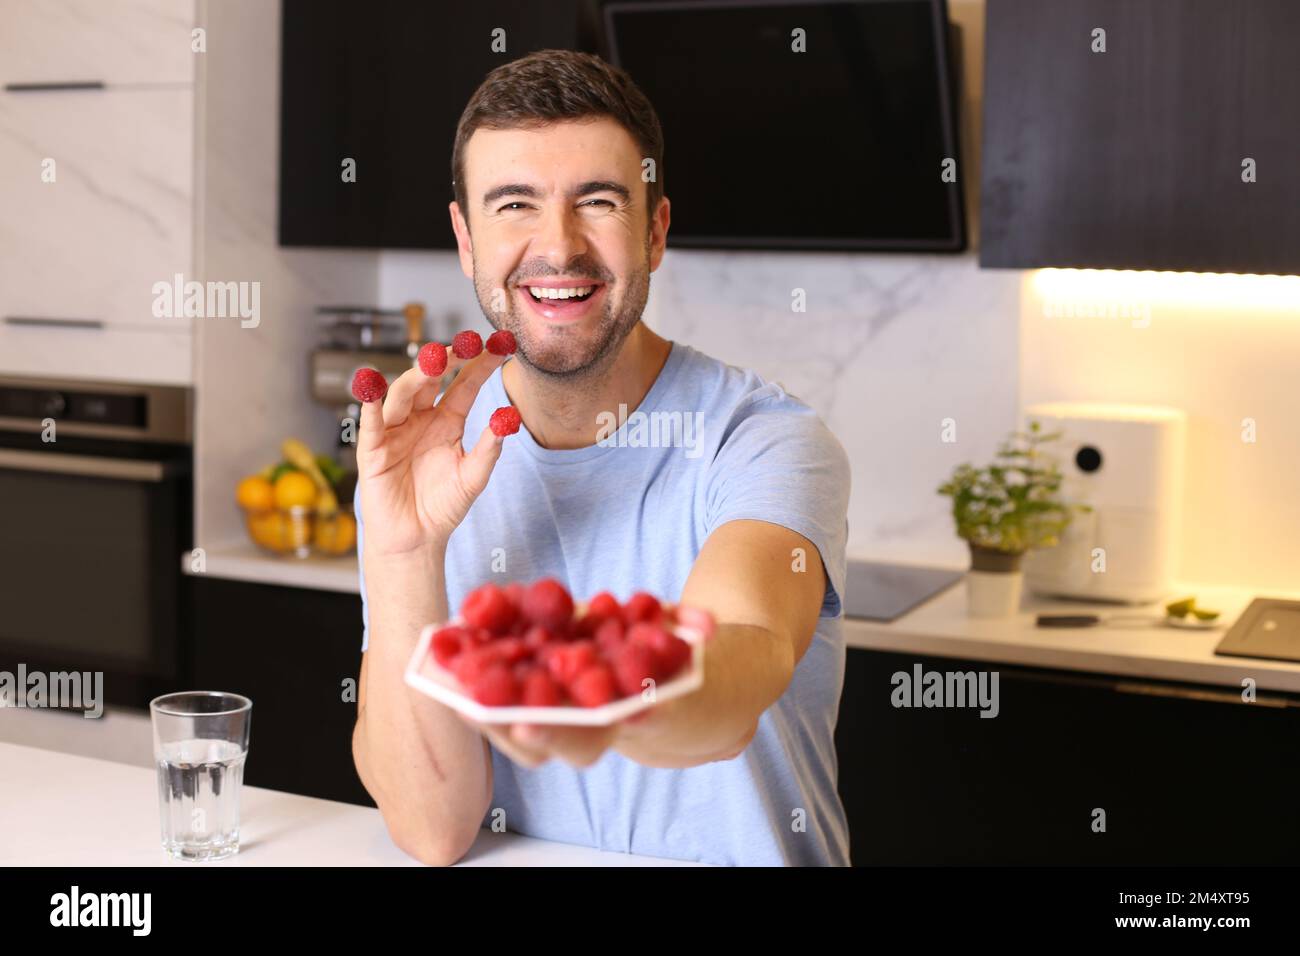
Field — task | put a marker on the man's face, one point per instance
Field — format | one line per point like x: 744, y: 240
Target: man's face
x: 559, y: 210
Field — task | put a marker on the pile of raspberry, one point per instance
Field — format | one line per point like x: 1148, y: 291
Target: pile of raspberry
x: 522, y: 645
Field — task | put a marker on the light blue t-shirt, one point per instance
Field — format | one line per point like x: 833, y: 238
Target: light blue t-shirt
x: 710, y: 443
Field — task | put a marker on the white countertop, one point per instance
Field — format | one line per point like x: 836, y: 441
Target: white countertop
x: 63, y: 810
x: 244, y: 561
x: 941, y: 627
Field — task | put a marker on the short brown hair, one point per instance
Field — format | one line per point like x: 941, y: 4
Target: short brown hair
x: 554, y: 85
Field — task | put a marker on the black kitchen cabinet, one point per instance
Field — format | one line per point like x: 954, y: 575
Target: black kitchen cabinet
x: 1187, y: 775
x: 1133, y: 158
x: 289, y: 650
x: 383, y: 83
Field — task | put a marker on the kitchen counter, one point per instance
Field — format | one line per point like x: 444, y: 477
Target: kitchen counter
x: 75, y: 811
x: 941, y: 627
x: 246, y: 562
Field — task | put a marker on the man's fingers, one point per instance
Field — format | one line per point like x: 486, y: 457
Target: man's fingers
x: 370, y: 432
x: 460, y: 395
x: 578, y: 746
x: 519, y: 753
x: 454, y: 362
x: 477, y: 466
x: 411, y: 389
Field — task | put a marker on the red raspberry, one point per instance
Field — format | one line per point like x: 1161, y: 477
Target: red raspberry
x: 566, y: 661
x: 501, y: 342
x: 488, y: 607
x: 670, y: 650
x: 511, y: 650
x: 594, y: 686
x: 584, y: 627
x: 543, y: 653
x: 448, y: 643
x: 471, y: 664
x: 634, y: 663
x: 433, y: 359
x: 467, y: 344
x: 604, y: 604
x: 610, y: 637
x: 368, y: 385
x: 537, y: 637
x: 515, y: 592
x: 540, y: 690
x: 574, y: 630
x: 642, y: 607
x: 505, y: 421
x: 496, y: 687
x: 546, y: 602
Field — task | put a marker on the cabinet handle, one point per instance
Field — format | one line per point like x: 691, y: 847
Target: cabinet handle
x: 1216, y: 695
x: 55, y: 323
x: 59, y: 463
x: 54, y: 87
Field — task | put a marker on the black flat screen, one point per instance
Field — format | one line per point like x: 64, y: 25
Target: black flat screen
x: 838, y: 147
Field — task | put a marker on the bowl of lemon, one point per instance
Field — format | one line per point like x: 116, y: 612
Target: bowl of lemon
x: 293, y: 508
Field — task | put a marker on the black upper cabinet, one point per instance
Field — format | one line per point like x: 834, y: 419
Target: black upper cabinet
x: 1132, y: 158
x: 384, y: 83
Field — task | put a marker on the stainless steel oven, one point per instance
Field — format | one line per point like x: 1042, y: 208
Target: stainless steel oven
x: 95, y: 511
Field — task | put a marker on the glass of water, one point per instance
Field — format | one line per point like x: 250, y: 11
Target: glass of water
x: 200, y: 740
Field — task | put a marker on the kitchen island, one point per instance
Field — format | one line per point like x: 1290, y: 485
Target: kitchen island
x: 64, y: 810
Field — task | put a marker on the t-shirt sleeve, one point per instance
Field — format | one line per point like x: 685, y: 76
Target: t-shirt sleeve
x: 361, y: 574
x: 779, y: 462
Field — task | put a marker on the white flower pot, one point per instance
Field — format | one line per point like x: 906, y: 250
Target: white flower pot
x: 993, y: 593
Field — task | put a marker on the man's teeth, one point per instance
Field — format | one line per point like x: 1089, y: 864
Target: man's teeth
x: 540, y: 293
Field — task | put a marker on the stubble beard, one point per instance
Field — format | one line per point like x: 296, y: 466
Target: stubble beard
x: 568, y: 354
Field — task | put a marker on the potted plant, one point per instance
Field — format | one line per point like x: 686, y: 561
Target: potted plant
x: 1002, y: 511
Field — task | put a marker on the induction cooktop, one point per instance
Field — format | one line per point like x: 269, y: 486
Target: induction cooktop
x: 880, y: 591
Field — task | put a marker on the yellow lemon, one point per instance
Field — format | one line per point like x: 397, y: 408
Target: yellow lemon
x: 255, y: 493
x: 336, y: 534
x: 347, y: 539
x: 268, y: 529
x: 293, y: 489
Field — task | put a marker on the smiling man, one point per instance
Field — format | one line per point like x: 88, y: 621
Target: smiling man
x: 560, y: 230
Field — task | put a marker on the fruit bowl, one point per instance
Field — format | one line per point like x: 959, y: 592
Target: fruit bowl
x: 430, y: 678
x: 334, y: 535
x: 281, y: 531
x: 302, y: 532
x: 300, y: 506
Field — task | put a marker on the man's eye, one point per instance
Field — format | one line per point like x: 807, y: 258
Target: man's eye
x: 605, y: 201
x: 510, y: 205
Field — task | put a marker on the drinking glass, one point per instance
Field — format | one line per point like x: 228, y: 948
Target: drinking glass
x: 200, y: 741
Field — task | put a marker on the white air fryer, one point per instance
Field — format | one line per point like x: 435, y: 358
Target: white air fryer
x: 1126, y: 461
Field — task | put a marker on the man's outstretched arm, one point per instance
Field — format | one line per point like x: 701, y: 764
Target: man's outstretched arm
x: 764, y: 586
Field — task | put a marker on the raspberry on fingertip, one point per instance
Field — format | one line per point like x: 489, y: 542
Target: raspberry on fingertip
x: 502, y: 342
x: 505, y: 421
x: 467, y: 344
x: 433, y: 359
x: 368, y: 385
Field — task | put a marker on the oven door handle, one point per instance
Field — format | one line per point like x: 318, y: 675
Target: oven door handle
x: 93, y: 466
